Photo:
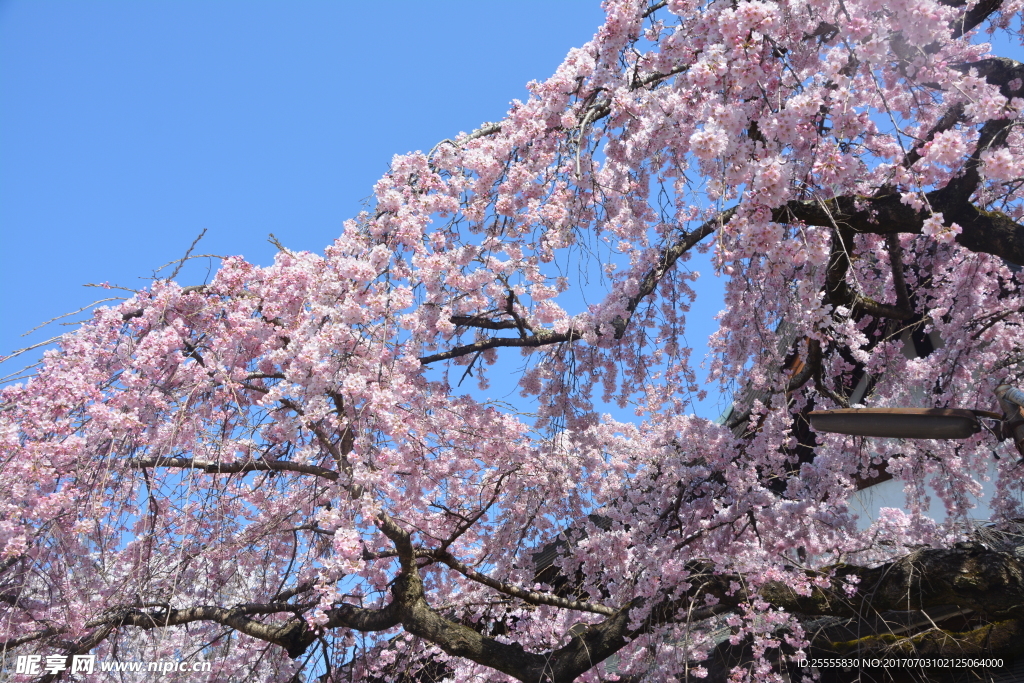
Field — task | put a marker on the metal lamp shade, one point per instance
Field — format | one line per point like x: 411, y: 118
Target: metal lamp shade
x: 900, y: 423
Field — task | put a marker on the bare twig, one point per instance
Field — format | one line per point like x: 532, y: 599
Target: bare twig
x: 272, y: 238
x: 30, y: 348
x: 188, y: 252
x: 65, y: 315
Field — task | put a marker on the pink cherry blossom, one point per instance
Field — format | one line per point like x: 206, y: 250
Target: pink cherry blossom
x: 302, y: 464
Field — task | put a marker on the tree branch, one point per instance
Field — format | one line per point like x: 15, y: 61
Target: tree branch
x: 983, y: 231
x: 999, y: 639
x: 546, y: 337
x: 528, y: 596
x: 973, y: 17
x: 988, y: 232
x: 455, y: 639
x: 842, y: 294
x: 242, y: 466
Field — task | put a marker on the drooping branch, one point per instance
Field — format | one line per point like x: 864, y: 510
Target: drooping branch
x: 982, y: 231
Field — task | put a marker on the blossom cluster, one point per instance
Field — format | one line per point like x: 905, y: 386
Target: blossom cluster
x: 228, y: 444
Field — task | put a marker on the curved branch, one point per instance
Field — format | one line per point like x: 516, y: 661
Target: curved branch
x: 294, y: 636
x: 456, y: 639
x: 841, y: 293
x: 11, y: 643
x: 668, y: 259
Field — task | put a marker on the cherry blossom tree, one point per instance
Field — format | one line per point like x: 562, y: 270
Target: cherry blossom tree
x: 281, y: 472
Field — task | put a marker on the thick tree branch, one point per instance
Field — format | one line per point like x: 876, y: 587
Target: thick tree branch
x: 456, y: 639
x: 998, y: 639
x: 968, y: 576
x: 989, y: 232
x: 294, y: 636
x: 842, y: 294
x: 974, y: 16
x: 899, y: 280
x: 986, y: 583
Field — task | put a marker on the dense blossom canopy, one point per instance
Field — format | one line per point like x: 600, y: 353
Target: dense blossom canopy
x: 278, y: 471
